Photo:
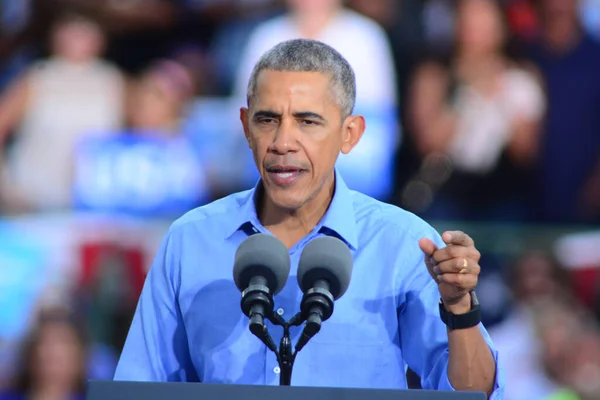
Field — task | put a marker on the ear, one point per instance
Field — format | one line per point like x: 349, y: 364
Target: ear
x: 353, y: 129
x: 245, y: 118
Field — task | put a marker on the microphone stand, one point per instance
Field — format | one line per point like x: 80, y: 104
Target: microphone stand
x: 285, y: 356
x: 316, y: 307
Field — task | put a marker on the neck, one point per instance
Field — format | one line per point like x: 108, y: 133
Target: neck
x: 50, y: 392
x: 80, y: 62
x: 290, y: 226
x: 478, y: 66
x: 311, y: 25
x: 479, y: 60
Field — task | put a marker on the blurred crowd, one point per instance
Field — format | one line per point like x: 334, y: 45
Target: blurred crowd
x: 477, y: 110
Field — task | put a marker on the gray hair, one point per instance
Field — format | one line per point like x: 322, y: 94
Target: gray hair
x: 304, y: 55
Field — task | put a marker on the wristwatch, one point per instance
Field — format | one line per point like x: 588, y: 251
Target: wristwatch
x: 462, y: 321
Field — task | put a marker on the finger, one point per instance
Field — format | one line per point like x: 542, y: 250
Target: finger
x: 464, y: 282
x: 427, y: 246
x: 450, y: 252
x: 458, y: 238
x: 455, y: 265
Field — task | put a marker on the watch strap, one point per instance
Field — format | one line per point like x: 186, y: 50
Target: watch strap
x: 462, y: 321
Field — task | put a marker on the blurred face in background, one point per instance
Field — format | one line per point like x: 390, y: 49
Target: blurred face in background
x: 77, y: 40
x: 159, y: 96
x: 382, y: 11
x: 314, y: 7
x: 536, y: 278
x: 58, y: 356
x: 296, y: 130
x: 550, y: 9
x: 480, y: 30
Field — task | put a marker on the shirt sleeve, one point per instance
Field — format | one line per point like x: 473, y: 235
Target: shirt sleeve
x: 156, y: 348
x: 424, y: 339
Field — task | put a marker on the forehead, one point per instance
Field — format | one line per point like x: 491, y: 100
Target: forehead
x: 288, y: 89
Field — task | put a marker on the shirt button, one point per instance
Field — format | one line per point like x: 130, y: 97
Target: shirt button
x: 276, y: 370
x: 280, y: 311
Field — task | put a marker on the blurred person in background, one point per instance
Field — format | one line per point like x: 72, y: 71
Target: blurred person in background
x: 366, y: 47
x: 569, y: 61
x: 406, y: 25
x: 138, y: 31
x: 476, y: 121
x: 150, y: 167
x: 53, y: 360
x: 225, y: 25
x: 71, y: 94
x: 570, y: 343
x: 535, y: 279
x: 403, y: 24
x: 159, y: 97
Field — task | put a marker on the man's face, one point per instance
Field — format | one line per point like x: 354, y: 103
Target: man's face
x: 296, y: 131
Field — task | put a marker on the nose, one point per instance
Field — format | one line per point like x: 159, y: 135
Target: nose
x: 285, y: 140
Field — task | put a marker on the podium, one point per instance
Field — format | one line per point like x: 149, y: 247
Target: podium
x: 119, y: 390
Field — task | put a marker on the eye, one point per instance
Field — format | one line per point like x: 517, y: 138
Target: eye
x: 308, y: 122
x: 266, y: 121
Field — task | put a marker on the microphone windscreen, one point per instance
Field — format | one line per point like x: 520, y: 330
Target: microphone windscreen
x: 262, y: 255
x: 326, y: 258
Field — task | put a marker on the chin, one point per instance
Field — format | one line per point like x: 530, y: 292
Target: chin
x: 286, y: 201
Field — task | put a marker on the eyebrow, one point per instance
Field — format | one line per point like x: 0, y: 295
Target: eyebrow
x: 266, y: 114
x: 299, y: 115
x: 308, y: 115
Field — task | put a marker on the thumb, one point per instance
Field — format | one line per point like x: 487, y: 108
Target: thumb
x: 427, y: 246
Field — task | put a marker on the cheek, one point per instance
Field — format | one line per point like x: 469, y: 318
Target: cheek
x: 322, y: 156
x: 259, y: 149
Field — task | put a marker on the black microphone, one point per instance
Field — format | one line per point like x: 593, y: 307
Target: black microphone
x: 260, y: 271
x: 324, y: 272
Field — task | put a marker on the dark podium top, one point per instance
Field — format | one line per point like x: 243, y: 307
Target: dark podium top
x: 115, y: 390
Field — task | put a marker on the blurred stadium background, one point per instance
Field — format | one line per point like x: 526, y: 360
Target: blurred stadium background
x: 118, y: 116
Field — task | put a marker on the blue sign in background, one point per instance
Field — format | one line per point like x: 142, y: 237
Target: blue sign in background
x: 22, y: 277
x: 139, y: 175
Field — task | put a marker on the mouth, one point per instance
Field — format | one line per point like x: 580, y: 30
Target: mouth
x: 283, y: 175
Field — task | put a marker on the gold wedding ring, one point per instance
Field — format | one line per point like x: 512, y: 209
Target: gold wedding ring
x: 464, y: 268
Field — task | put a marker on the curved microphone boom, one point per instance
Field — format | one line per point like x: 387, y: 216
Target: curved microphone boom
x: 324, y: 272
x: 260, y: 271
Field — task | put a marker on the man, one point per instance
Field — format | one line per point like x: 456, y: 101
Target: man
x: 188, y: 325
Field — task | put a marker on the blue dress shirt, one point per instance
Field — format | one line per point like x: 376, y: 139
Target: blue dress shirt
x: 189, y: 326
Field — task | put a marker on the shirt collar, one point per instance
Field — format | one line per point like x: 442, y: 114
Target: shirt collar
x: 339, y: 220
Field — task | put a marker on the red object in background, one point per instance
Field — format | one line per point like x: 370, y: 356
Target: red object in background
x: 585, y: 283
x: 522, y: 19
x: 95, y: 255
